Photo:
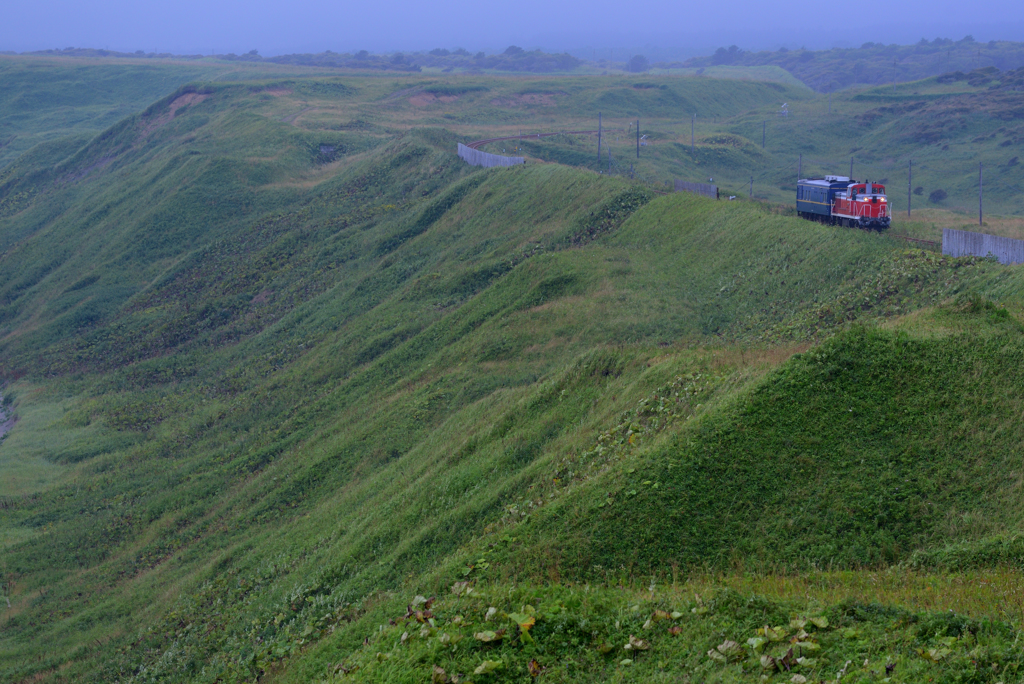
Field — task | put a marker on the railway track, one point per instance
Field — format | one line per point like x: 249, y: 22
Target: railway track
x: 476, y: 144
x: 918, y: 240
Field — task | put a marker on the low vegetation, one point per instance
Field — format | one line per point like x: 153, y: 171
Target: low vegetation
x: 302, y: 397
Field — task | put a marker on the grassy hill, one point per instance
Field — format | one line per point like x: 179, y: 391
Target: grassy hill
x: 946, y: 126
x: 43, y: 99
x: 301, y: 397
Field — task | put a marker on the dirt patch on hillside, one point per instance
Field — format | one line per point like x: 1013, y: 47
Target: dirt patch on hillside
x: 527, y: 99
x: 278, y: 92
x: 425, y: 99
x: 186, y: 100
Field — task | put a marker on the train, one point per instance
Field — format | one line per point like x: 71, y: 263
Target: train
x: 839, y: 200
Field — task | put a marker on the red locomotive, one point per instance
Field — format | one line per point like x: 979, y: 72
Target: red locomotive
x: 842, y: 200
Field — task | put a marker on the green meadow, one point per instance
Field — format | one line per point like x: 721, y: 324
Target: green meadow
x: 300, y: 396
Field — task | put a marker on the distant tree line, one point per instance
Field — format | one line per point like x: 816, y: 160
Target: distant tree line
x: 824, y: 70
x: 514, y: 58
x: 93, y: 52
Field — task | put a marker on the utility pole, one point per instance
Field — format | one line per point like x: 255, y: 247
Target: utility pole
x: 764, y: 130
x: 638, y: 138
x: 979, y: 195
x: 609, y: 161
x: 830, y: 100
x: 692, y: 122
x: 599, y: 137
x: 751, y: 187
x: 851, y: 169
x: 630, y: 172
x: 893, y: 74
x: 910, y: 184
x: 800, y: 168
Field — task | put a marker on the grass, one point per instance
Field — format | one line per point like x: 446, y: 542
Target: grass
x: 790, y: 463
x: 282, y: 363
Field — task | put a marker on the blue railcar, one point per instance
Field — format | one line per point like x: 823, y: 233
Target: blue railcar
x: 814, y: 196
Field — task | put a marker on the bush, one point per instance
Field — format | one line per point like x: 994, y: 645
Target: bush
x: 637, y: 64
x: 919, y: 190
x: 723, y: 56
x: 937, y: 196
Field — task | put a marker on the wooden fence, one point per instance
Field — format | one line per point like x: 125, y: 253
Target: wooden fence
x: 485, y: 159
x: 965, y: 243
x: 705, y: 189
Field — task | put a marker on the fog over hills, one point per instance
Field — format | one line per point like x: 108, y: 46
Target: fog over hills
x: 677, y: 31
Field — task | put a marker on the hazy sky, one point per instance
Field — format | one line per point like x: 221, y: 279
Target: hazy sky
x: 198, y: 26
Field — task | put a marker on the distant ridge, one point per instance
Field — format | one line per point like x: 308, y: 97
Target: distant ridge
x: 873, y: 63
x: 822, y: 70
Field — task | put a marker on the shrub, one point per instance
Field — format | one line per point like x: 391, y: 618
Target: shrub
x: 723, y: 56
x: 937, y: 196
x: 637, y: 64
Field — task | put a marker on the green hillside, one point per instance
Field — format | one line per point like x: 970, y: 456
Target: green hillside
x: 850, y: 455
x: 302, y: 397
x: 46, y: 98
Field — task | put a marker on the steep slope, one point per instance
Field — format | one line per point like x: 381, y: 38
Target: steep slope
x: 854, y: 454
x: 275, y: 379
x: 254, y: 449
